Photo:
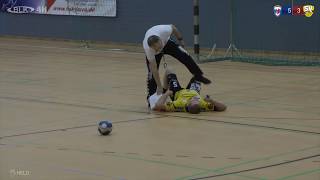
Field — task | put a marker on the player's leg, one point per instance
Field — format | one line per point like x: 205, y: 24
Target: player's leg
x: 183, y: 56
x: 171, y: 81
x: 194, y: 85
x: 151, y: 82
x: 165, y: 80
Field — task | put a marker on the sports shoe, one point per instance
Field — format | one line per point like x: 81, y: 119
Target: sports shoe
x: 202, y: 79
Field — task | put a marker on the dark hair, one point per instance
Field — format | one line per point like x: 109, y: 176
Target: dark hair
x: 153, y: 39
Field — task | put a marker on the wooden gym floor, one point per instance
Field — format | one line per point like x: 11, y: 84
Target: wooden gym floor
x: 53, y: 94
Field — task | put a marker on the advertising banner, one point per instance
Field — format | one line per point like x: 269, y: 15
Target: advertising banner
x: 106, y: 8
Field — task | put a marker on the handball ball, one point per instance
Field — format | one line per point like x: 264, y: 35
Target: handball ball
x: 105, y: 127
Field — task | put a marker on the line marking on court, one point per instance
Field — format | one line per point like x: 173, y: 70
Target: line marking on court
x: 257, y: 119
x: 71, y: 104
x: 253, y: 103
x: 144, y: 112
x: 204, y: 170
x: 271, y: 118
x: 245, y: 124
x: 271, y: 86
x: 311, y: 171
x: 76, y: 127
x: 222, y: 169
x: 152, y: 161
x: 257, y: 168
x: 62, y: 148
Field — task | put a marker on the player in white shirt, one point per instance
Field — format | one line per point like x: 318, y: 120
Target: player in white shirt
x: 156, y: 43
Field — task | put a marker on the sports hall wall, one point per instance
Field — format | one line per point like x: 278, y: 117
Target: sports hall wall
x: 255, y: 26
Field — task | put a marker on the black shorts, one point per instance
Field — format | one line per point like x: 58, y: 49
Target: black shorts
x: 173, y: 83
x: 175, y: 86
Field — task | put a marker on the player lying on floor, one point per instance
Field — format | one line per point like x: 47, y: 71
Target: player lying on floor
x: 178, y: 99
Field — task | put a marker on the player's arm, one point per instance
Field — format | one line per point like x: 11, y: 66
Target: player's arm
x: 161, y: 103
x: 178, y: 35
x: 156, y: 76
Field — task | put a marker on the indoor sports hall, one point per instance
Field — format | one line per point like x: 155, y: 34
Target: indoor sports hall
x: 62, y: 72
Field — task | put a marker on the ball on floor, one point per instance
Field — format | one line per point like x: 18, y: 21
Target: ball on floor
x: 105, y: 127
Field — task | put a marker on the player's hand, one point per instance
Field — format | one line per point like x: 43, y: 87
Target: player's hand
x: 159, y: 90
x: 169, y: 92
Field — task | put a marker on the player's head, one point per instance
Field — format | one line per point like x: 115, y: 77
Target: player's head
x: 155, y: 43
x: 194, y: 105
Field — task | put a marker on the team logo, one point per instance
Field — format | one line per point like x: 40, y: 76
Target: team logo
x: 277, y: 10
x: 308, y: 10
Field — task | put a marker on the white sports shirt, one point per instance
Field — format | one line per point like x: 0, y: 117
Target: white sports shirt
x: 154, y: 99
x: 163, y: 31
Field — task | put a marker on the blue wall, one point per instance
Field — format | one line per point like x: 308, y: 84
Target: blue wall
x: 255, y: 25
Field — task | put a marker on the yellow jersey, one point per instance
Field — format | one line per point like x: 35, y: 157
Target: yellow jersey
x: 182, y: 98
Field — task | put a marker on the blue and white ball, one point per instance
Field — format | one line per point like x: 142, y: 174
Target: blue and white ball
x: 105, y: 127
